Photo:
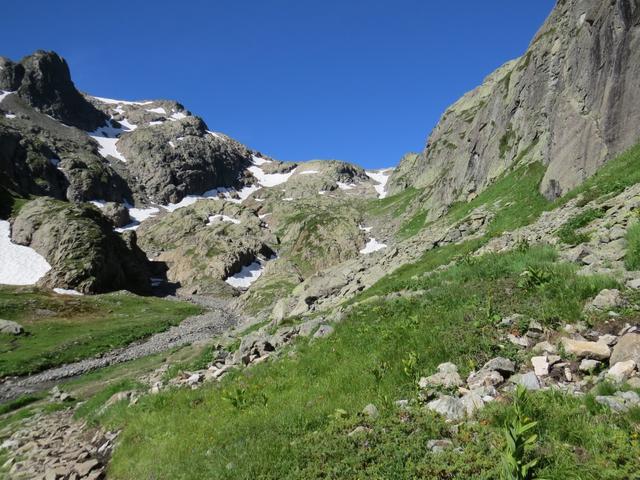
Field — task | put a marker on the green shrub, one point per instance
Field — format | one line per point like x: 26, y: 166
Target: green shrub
x: 632, y: 258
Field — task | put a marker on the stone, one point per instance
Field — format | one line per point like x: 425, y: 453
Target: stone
x: 627, y: 348
x: 10, y: 328
x: 528, y: 380
x: 84, y: 468
x: 585, y: 349
x: 117, y: 397
x: 631, y: 398
x: 621, y: 371
x: 614, y: 403
x: 606, y: 300
x: 634, y: 284
x: 449, y: 407
x: 446, y: 377
x: 540, y: 365
x: 194, y: 379
x: 359, y: 430
x: 402, y: 404
x: 634, y: 382
x: 523, y: 342
x: 588, y: 365
x: 501, y: 365
x: 608, y: 339
x: 323, y: 331
x: 439, y: 446
x: 510, y: 320
x: 484, y: 378
x: 472, y: 402
x: 371, y: 411
x: 544, y: 347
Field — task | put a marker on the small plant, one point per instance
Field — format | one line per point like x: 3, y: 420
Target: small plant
x: 379, y: 371
x: 410, y: 366
x: 534, y: 277
x: 522, y: 245
x: 568, y: 233
x: 240, y: 398
x: 520, y: 442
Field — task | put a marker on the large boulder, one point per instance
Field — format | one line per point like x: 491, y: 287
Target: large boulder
x: 79, y: 243
x: 10, y: 328
x: 585, y: 349
x: 627, y: 348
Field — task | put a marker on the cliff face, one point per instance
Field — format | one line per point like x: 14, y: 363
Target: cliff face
x: 572, y: 101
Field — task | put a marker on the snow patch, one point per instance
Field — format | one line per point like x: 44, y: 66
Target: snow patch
x: 177, y: 116
x: 4, y: 94
x: 107, y: 137
x: 309, y: 172
x: 171, y: 144
x: 159, y: 110
x: 245, y: 277
x: 19, y: 265
x: 346, y: 186
x: 157, y: 122
x: 365, y: 229
x: 9, y: 115
x: 258, y: 160
x: 64, y: 291
x: 112, y: 101
x: 288, y: 199
x: 213, y: 219
x: 269, y: 179
x: 382, y: 177
x: 372, y: 246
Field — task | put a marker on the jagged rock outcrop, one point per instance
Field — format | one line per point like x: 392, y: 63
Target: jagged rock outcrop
x: 176, y: 158
x: 571, y: 102
x: 79, y: 243
x: 43, y: 80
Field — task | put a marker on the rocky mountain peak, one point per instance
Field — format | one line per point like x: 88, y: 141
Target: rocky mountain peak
x: 43, y: 80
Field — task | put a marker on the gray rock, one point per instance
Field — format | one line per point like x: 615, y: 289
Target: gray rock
x: 446, y: 377
x: 627, y: 348
x: 323, y: 331
x: 634, y: 284
x: 529, y: 110
x: 472, y: 402
x: 584, y: 349
x: 10, y: 328
x: 614, y: 403
x: 440, y: 445
x: 621, y: 371
x: 484, y: 378
x: 501, y: 365
x: 606, y: 300
x: 449, y: 407
x: 117, y: 213
x: 371, y: 411
x: 588, y: 365
x: 528, y: 380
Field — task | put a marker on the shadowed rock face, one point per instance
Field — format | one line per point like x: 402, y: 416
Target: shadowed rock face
x: 43, y: 80
x: 571, y: 102
x: 79, y: 243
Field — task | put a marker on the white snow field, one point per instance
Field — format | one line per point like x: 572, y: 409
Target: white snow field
x: 372, y: 246
x: 112, y: 101
x: 245, y: 277
x: 65, y: 291
x: 4, y: 94
x: 382, y: 177
x: 19, y: 265
x: 107, y: 137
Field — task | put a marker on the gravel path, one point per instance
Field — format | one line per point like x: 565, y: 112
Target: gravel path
x: 214, y: 322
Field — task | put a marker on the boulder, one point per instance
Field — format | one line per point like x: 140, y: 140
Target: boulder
x: 585, y: 349
x: 439, y: 446
x: 484, y: 378
x: 606, y: 300
x: 501, y: 365
x: 323, y: 331
x: 621, y: 371
x: 10, y: 328
x: 370, y: 411
x: 449, y: 407
x: 540, y: 365
x: 627, y: 348
x: 528, y: 380
x: 117, y: 214
x: 588, y: 365
x: 446, y: 377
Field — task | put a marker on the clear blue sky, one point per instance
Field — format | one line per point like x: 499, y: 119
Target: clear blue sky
x: 357, y: 80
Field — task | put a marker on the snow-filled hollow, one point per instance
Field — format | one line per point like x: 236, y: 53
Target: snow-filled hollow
x: 246, y: 276
x: 19, y: 265
x: 372, y: 246
x: 219, y: 218
x: 381, y: 177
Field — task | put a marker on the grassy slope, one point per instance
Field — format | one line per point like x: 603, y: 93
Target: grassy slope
x: 287, y: 426
x: 294, y: 435
x: 62, y: 329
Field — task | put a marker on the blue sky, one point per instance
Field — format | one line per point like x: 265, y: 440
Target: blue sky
x: 357, y: 80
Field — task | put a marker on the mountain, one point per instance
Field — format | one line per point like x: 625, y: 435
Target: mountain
x: 570, y: 103
x: 471, y: 313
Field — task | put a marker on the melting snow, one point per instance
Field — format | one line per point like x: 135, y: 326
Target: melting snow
x: 372, y: 246
x: 157, y: 122
x: 364, y: 229
x: 309, y: 172
x: 269, y: 179
x: 288, y: 199
x: 213, y: 219
x: 160, y: 110
x: 177, y: 116
x: 64, y: 291
x: 322, y: 192
x: 10, y: 115
x: 4, y: 94
x: 120, y: 102
x: 259, y: 160
x: 19, y: 265
x: 107, y: 137
x: 171, y: 144
x: 382, y: 177
x: 345, y: 186
x: 245, y: 277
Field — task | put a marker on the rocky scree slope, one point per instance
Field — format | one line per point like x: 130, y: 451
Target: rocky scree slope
x: 570, y: 102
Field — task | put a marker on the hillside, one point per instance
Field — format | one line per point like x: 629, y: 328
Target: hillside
x: 174, y: 304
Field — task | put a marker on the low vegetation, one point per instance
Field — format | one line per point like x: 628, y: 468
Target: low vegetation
x: 632, y: 258
x: 291, y: 418
x: 62, y: 328
x: 569, y: 234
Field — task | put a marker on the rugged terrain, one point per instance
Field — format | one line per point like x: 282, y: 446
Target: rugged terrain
x: 476, y: 316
